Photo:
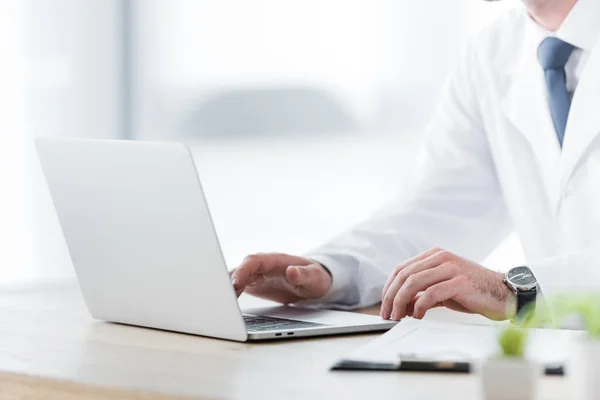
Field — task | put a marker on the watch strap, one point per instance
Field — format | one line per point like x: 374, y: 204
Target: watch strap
x: 525, y: 301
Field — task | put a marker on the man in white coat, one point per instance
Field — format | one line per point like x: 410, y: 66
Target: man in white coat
x: 514, y: 146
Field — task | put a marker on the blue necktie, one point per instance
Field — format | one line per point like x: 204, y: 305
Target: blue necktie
x: 554, y: 54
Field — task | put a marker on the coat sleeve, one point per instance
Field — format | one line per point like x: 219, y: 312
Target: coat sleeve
x: 573, y: 274
x: 568, y: 274
x: 452, y: 200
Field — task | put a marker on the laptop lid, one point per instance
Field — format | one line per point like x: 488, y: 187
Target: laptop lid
x: 140, y: 235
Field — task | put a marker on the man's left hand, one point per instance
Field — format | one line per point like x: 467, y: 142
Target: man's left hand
x: 438, y: 278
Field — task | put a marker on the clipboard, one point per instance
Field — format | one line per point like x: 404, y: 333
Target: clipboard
x: 443, y: 347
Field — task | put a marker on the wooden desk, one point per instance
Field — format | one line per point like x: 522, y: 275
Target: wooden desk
x: 51, y: 348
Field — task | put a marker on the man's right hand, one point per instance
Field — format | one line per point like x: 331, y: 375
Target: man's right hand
x: 281, y: 278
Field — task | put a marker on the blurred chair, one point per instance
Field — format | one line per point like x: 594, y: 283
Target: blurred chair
x: 271, y: 111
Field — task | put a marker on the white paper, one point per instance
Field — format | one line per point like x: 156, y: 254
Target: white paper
x: 445, y: 341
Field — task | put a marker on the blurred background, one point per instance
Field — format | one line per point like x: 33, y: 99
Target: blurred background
x: 302, y: 115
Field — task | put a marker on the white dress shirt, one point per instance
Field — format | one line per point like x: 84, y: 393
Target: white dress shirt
x: 491, y: 165
x: 574, y: 30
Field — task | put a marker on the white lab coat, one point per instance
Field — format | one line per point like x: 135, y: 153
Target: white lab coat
x: 490, y: 165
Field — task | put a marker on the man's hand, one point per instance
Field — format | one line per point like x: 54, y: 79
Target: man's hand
x: 438, y: 278
x: 280, y: 277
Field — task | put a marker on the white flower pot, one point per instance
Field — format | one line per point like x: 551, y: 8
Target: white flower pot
x: 584, y: 368
x: 509, y: 379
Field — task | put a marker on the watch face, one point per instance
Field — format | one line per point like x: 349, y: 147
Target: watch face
x: 521, y: 277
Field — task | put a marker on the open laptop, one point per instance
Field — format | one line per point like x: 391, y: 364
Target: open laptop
x: 145, y: 250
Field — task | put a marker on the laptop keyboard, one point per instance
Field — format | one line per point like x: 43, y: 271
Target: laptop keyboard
x: 262, y: 324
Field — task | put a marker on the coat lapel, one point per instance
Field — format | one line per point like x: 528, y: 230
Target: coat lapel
x: 526, y: 106
x: 584, y: 118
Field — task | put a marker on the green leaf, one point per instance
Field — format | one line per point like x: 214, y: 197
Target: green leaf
x: 512, y: 341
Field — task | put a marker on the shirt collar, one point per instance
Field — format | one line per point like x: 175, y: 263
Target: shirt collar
x: 581, y: 28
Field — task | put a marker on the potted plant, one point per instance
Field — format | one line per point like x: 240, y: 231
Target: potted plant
x: 583, y: 368
x: 510, y: 376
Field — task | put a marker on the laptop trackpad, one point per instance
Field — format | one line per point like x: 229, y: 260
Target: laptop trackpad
x: 326, y: 317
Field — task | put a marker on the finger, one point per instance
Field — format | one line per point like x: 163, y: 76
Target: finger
x: 410, y: 308
x: 237, y: 292
x: 434, y: 296
x: 430, y: 262
x: 310, y: 281
x: 417, y: 283
x: 244, y: 274
x: 400, y: 267
x: 258, y: 265
x: 257, y: 280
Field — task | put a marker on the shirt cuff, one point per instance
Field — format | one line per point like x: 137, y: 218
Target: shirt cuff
x: 339, y: 286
